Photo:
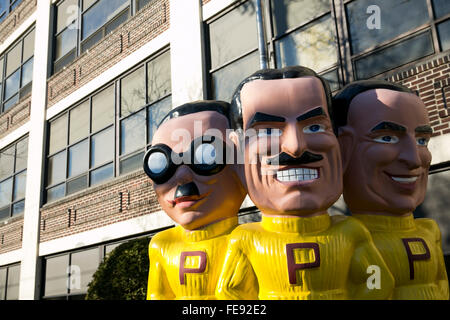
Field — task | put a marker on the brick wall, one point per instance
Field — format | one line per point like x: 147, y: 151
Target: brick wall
x: 16, y: 18
x: 432, y: 80
x: 122, y: 199
x: 148, y: 23
x: 16, y: 116
x: 11, y: 233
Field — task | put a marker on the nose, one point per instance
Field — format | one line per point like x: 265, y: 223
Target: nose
x: 409, y: 153
x: 292, y: 141
x: 183, y: 175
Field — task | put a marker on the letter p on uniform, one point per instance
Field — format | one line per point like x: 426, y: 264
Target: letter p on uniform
x: 183, y: 270
x: 293, y: 266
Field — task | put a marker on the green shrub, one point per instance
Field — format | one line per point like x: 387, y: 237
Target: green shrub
x: 123, y: 274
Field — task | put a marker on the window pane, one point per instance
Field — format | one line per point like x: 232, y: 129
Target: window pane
x: 290, y: 14
x: 158, y: 77
x: 133, y: 133
x: 2, y: 279
x: 84, y: 265
x: 132, y: 163
x: 412, y: 13
x: 67, y: 12
x: 441, y: 8
x: 65, y: 42
x: 5, y: 192
x: 333, y: 79
x: 226, y: 80
x: 78, y: 159
x: 394, y: 56
x: 20, y: 181
x: 91, y: 41
x: 100, y: 13
x: 12, y: 85
x: 13, y: 59
x: 87, y: 4
x: 58, y: 134
x: 18, y: 207
x: 102, y: 174
x: 77, y: 184
x: 116, y: 22
x: 157, y: 112
x: 233, y: 34
x: 1, y: 70
x: 57, y: 168
x: 56, y: 192
x: 12, y: 291
x: 21, y: 154
x: 6, y: 162
x: 27, y: 72
x: 4, y: 213
x: 11, y: 102
x: 56, y: 275
x: 28, y: 46
x: 79, y: 122
x: 132, y: 95
x: 102, y: 147
x: 444, y: 34
x: 103, y: 109
x: 314, y: 46
x: 60, y: 64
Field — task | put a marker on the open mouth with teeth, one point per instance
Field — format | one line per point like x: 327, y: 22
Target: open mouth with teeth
x: 297, y: 174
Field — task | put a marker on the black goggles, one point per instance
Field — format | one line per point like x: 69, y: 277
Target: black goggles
x: 206, y: 156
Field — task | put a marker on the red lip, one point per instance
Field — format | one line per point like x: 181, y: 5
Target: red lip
x: 187, y: 201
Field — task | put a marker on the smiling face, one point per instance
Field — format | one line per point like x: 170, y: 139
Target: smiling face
x: 292, y: 165
x: 387, y: 155
x: 193, y: 200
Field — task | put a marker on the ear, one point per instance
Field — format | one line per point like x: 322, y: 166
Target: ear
x: 346, y: 138
x: 236, y: 137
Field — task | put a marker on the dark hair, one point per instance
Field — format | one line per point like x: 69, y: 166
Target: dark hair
x: 343, y: 99
x: 274, y: 74
x: 221, y: 107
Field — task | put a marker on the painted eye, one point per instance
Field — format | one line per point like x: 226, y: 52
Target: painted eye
x: 157, y: 162
x: 205, y: 154
x: 386, y: 139
x: 422, y: 141
x: 269, y: 132
x: 314, y: 128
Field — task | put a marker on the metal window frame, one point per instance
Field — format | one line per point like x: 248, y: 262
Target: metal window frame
x: 7, y: 267
x: 15, y: 173
x: 116, y: 125
x: 22, y: 87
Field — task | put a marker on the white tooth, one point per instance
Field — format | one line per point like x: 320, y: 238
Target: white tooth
x: 285, y: 173
x: 307, y: 171
x: 404, y: 180
x: 308, y: 177
x: 298, y: 171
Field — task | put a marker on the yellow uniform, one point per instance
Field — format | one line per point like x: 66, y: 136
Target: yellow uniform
x: 412, y: 251
x: 321, y: 257
x: 186, y: 264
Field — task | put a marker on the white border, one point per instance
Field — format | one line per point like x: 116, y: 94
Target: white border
x: 146, y: 223
x: 15, y: 135
x: 215, y: 6
x: 18, y: 32
x: 11, y: 257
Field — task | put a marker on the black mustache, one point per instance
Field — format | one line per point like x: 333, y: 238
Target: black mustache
x: 285, y: 159
x: 185, y: 190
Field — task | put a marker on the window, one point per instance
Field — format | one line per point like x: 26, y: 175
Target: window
x: 13, y: 175
x: 298, y: 33
x: 9, y: 282
x: 16, y: 71
x: 106, y: 134
x: 234, y: 49
x: 6, y: 6
x: 80, y: 24
x: 376, y: 50
x: 66, y: 276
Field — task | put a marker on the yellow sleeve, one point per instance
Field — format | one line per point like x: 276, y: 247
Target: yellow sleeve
x: 442, y: 279
x: 369, y: 274
x: 237, y: 280
x: 158, y: 287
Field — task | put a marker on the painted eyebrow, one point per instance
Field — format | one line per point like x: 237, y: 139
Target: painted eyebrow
x: 424, y: 129
x: 311, y: 114
x: 386, y: 125
x: 264, y: 117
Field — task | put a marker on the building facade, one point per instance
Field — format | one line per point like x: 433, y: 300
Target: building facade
x: 83, y: 84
